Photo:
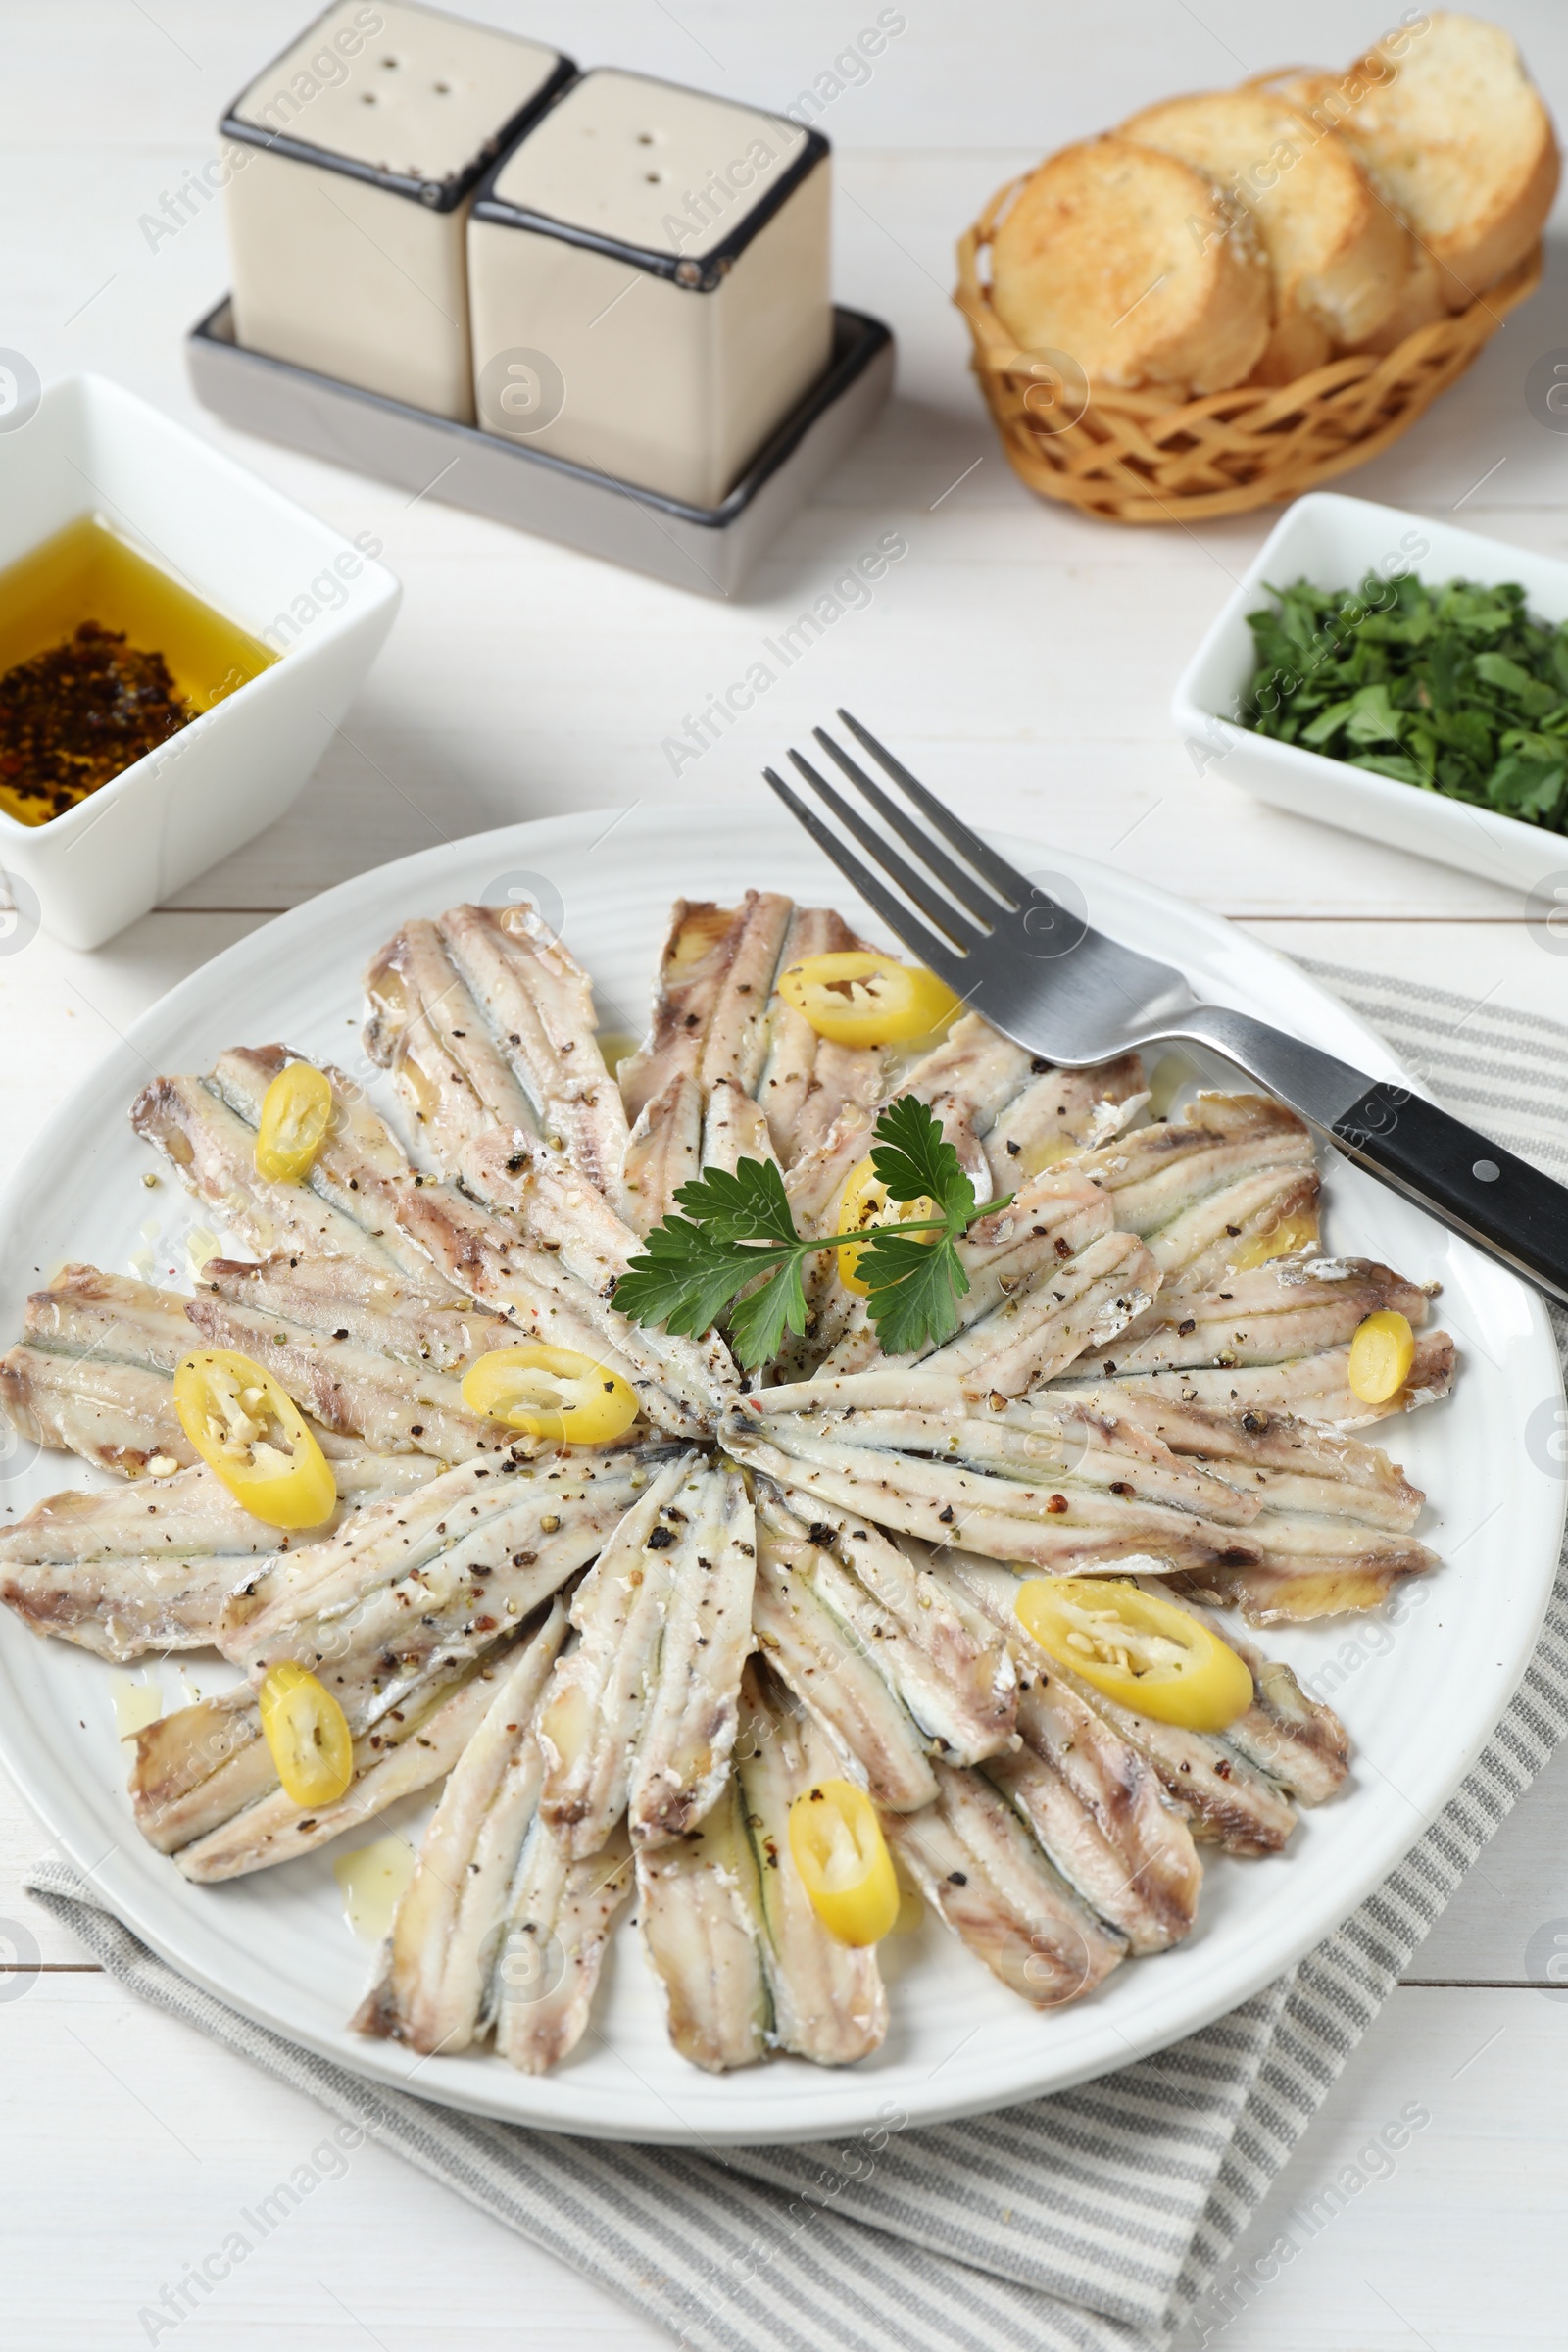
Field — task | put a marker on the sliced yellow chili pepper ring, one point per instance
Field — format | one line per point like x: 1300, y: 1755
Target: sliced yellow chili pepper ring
x: 1381, y: 1355
x: 1141, y: 1650
x: 296, y: 1113
x: 551, y: 1393
x: 308, y: 1733
x: 857, y: 997
x: 863, y: 1203
x: 250, y: 1432
x: 1284, y: 1239
x: 837, y: 1845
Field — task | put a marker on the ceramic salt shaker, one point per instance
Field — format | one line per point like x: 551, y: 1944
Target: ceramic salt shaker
x: 649, y: 279
x: 353, y: 161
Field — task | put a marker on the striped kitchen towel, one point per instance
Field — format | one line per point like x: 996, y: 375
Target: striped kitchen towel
x: 1093, y: 2221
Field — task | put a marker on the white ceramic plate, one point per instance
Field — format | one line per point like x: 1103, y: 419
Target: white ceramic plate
x: 1420, y: 1696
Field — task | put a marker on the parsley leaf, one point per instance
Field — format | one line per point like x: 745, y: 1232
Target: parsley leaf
x: 687, y: 1276
x: 749, y: 1205
x: 914, y: 1282
x: 737, y: 1253
x: 914, y: 1159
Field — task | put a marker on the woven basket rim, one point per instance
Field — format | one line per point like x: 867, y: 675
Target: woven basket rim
x: 997, y: 353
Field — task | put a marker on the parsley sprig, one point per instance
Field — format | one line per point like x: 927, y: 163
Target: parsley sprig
x: 736, y: 1253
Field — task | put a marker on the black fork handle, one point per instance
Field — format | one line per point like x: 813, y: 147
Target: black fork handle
x: 1495, y: 1198
x: 1481, y: 1191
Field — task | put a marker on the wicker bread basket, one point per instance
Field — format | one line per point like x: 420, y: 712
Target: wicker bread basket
x: 1145, y: 457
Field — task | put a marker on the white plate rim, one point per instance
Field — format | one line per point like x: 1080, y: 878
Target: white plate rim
x: 843, y: 2100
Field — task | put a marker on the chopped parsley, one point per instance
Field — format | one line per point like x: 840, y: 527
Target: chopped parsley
x: 1457, y: 689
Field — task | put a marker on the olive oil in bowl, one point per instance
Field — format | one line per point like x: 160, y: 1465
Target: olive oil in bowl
x: 103, y: 657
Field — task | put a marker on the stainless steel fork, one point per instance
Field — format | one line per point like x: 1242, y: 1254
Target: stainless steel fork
x: 1045, y: 977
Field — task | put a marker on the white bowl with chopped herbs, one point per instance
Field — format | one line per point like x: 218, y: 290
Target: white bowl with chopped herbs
x: 1400, y: 678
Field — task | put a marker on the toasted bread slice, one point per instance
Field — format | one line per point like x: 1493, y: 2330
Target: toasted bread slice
x: 1136, y: 265
x: 1453, y: 131
x: 1340, y: 258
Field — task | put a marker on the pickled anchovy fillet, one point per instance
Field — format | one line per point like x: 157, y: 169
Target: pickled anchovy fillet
x: 92, y: 1373
x: 710, y: 1031
x: 944, y: 1661
x: 734, y: 1128
x: 1093, y: 1801
x: 112, y: 1346
x: 992, y: 1884
x: 116, y: 1415
x: 1200, y: 1189
x: 448, y: 1921
x: 807, y: 1080
x: 684, y: 1743
x: 1058, y: 1114
x: 490, y: 1024
x: 153, y: 1567
x: 907, y: 1471
x: 663, y: 1151
x: 274, y: 1828
x: 546, y: 1969
x: 351, y: 1389
x: 699, y: 1916
x: 1228, y: 1797
x: 599, y: 1693
x: 426, y: 1028
x: 1271, y: 1315
x: 410, y: 1586
x: 827, y: 1997
x: 716, y: 978
x: 1332, y: 1532
x: 540, y: 1003
x: 325, y: 1295
x: 830, y: 1667
x: 206, y: 1129
x: 1048, y: 1278
x: 1311, y: 1387
x: 987, y: 1093
x: 109, y: 1317
x: 545, y: 1252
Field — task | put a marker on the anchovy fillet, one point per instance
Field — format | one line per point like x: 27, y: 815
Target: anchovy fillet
x: 911, y: 1474
x: 830, y: 1668
x: 683, y: 1747
x: 597, y: 1705
x: 1048, y: 1278
x: 547, y: 1969
x: 827, y: 1997
x: 153, y: 1567
x: 944, y: 1662
x: 206, y: 1129
x: 448, y: 1925
x: 698, y: 1917
x: 807, y: 1080
x: 980, y: 1868
x: 1311, y: 1387
x: 1229, y: 1800
x: 1200, y: 1189
x: 274, y: 1828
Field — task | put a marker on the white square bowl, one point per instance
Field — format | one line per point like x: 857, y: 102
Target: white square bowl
x: 1334, y: 542
x: 255, y: 557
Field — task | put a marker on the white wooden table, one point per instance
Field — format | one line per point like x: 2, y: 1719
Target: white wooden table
x: 1027, y: 657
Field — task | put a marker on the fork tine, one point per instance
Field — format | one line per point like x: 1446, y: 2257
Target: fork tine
x: 933, y: 951
x: 1007, y: 878
x: 972, y: 894
x: 937, y: 910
